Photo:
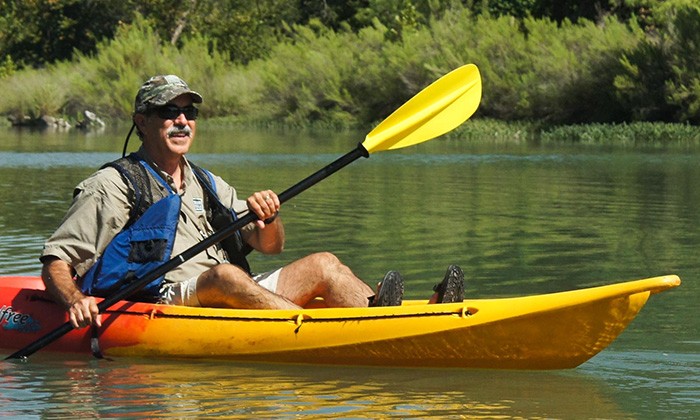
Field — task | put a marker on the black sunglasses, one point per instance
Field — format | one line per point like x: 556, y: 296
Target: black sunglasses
x: 171, y: 112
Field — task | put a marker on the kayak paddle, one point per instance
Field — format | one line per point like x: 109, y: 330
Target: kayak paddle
x: 437, y: 109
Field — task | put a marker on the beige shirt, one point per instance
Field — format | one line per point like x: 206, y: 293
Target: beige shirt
x: 100, y: 210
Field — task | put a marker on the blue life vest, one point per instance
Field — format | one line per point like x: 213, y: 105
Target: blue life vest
x: 146, y: 242
x: 138, y: 249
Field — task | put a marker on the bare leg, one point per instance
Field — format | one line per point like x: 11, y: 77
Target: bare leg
x: 227, y: 286
x: 322, y: 275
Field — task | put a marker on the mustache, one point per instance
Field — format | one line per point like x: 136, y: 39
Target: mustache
x: 174, y: 131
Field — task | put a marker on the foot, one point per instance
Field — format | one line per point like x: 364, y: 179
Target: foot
x: 390, y: 291
x: 451, y: 289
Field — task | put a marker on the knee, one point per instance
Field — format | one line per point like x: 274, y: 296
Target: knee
x: 326, y: 260
x: 328, y: 266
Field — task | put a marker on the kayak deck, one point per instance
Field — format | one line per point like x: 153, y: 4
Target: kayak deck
x: 550, y: 331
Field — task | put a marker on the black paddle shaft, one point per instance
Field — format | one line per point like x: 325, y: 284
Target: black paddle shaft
x: 137, y: 283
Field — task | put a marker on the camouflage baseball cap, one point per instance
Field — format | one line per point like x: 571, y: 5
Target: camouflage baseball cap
x: 159, y: 90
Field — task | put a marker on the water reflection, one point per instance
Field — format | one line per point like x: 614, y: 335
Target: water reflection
x: 156, y: 388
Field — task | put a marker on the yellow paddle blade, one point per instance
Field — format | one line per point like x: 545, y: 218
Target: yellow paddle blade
x: 434, y: 111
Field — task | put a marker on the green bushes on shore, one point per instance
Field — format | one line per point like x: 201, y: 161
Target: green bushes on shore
x: 532, y: 70
x: 623, y: 135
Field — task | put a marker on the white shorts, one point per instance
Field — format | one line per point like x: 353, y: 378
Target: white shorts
x: 185, y: 292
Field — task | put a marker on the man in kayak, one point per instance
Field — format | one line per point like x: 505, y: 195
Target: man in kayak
x: 135, y: 213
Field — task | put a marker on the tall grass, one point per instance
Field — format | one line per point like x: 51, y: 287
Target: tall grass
x: 626, y: 134
x: 35, y: 93
x: 536, y: 69
x: 109, y: 80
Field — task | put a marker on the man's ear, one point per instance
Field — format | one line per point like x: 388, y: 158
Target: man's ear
x: 140, y: 121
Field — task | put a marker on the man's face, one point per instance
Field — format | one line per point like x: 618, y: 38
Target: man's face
x: 168, y: 136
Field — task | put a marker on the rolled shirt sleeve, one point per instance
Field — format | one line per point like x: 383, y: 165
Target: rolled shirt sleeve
x: 99, y: 211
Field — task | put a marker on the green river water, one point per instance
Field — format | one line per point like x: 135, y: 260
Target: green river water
x: 520, y: 219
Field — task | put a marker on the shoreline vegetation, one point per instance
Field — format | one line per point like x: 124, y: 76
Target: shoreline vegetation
x: 477, y: 130
x: 492, y: 131
x: 612, y: 81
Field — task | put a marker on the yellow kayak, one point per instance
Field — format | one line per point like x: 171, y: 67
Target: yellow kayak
x: 550, y: 331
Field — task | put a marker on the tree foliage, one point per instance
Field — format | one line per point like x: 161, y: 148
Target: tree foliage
x: 661, y: 77
x: 38, y: 32
x: 355, y: 61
